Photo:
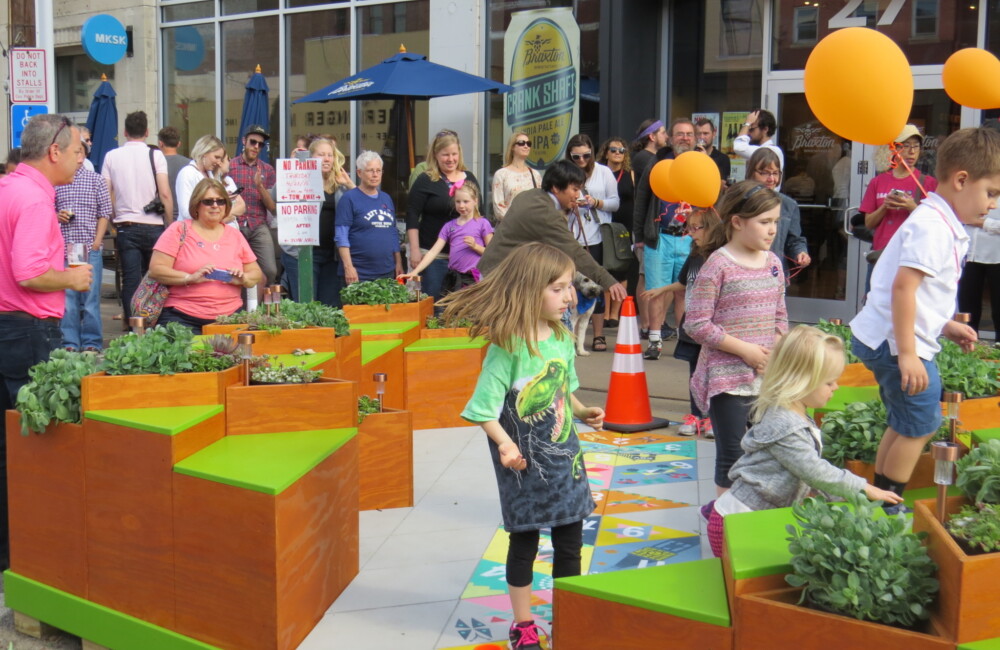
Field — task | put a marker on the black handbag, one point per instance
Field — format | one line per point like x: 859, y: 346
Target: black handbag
x: 617, y: 254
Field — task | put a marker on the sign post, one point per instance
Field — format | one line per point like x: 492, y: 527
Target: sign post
x: 28, y: 80
x: 20, y: 115
x: 300, y: 197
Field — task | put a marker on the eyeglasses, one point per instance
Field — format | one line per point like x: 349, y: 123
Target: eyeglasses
x: 446, y: 132
x: 522, y: 143
x: 693, y: 229
x: 914, y: 146
x: 616, y: 149
x: 581, y: 156
x: 255, y: 143
x: 210, y: 202
x: 63, y: 125
x: 377, y: 170
x: 765, y: 174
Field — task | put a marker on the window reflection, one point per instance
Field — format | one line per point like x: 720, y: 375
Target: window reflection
x: 189, y: 81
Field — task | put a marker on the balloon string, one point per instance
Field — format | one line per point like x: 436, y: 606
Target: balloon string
x: 898, y: 158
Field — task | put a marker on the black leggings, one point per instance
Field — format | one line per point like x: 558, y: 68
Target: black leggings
x: 729, y: 415
x: 975, y: 277
x: 566, y: 543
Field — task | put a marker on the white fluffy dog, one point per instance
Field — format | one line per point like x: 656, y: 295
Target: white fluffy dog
x: 587, y: 293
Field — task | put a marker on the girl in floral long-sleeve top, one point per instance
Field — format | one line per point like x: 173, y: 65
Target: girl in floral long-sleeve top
x: 736, y: 311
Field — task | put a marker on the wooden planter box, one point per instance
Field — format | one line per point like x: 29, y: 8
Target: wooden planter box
x: 855, y: 374
x: 103, y: 391
x: 348, y: 359
x: 324, y: 404
x: 773, y: 620
x: 979, y: 413
x: 385, y: 357
x: 967, y: 605
x: 385, y: 460
x: 46, y: 498
x: 407, y: 311
x: 320, y: 339
x: 444, y: 333
x: 923, y: 473
x: 439, y: 382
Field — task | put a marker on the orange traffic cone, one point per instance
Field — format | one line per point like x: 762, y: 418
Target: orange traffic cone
x: 628, y: 409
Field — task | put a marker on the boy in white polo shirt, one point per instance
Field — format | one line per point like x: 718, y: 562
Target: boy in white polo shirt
x: 912, y: 300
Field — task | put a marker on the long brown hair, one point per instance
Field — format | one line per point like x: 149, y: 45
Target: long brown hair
x: 746, y: 199
x: 582, y: 140
x: 507, y: 305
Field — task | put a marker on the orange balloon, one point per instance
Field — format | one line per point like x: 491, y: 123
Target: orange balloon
x: 966, y: 76
x: 859, y: 85
x: 659, y: 181
x: 697, y: 179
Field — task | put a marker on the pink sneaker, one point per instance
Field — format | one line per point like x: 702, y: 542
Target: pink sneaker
x: 525, y: 636
x: 706, y: 429
x: 689, y: 427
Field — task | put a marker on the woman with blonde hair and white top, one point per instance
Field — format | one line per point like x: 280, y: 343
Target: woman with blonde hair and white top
x: 515, y: 176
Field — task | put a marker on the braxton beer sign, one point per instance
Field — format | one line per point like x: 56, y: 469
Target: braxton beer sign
x: 541, y: 62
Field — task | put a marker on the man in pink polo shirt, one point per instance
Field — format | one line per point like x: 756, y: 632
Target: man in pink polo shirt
x: 33, y: 278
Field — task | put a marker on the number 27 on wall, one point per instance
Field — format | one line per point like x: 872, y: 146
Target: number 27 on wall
x: 843, y: 17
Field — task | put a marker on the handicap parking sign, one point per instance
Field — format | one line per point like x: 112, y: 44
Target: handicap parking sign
x: 20, y: 115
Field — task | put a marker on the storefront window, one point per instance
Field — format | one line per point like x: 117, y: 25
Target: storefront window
x: 927, y: 31
x: 247, y: 44
x: 77, y: 77
x: 189, y: 81
x: 188, y: 11
x: 383, y: 28
x: 231, y: 7
x: 319, y: 54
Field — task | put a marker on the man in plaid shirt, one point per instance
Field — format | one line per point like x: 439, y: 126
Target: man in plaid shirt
x: 84, y: 209
x: 256, y: 178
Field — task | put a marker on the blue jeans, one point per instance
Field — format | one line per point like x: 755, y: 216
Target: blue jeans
x: 135, y: 247
x: 326, y: 279
x: 432, y: 278
x: 81, y: 324
x: 25, y: 342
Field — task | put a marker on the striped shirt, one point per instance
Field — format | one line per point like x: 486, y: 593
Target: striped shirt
x: 242, y: 172
x: 745, y: 303
x: 89, y: 200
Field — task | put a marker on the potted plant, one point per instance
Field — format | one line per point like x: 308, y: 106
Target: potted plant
x: 967, y: 604
x: 384, y: 300
x: 310, y: 325
x: 160, y: 368
x: 851, y: 438
x: 856, y: 574
x: 385, y: 456
x: 265, y: 372
x: 976, y: 379
x: 436, y: 327
x: 52, y: 394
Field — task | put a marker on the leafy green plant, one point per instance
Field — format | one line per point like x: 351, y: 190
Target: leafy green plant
x: 367, y: 406
x: 978, y: 527
x: 316, y: 314
x: 978, y: 473
x: 163, y: 350
x: 965, y: 373
x: 258, y: 320
x: 854, y: 432
x: 437, y: 323
x: 52, y: 394
x: 214, y: 353
x: 987, y: 352
x: 842, y: 331
x: 384, y: 291
x: 278, y: 373
x: 854, y: 563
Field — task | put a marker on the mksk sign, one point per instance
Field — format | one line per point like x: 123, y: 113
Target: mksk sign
x: 104, y: 39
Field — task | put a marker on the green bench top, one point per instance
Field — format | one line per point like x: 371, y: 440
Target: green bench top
x: 919, y: 494
x: 308, y: 360
x: 264, y: 462
x: 985, y: 644
x: 691, y: 590
x: 979, y: 436
x: 845, y: 395
x: 371, y: 350
x: 386, y: 328
x: 168, y: 420
x: 448, y: 343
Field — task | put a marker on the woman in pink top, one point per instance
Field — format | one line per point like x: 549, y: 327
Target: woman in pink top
x: 735, y: 311
x: 204, y: 263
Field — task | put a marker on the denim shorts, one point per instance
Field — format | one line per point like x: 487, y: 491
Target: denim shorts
x: 663, y: 264
x: 911, y: 416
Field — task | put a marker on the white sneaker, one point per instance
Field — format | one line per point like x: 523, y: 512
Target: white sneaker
x: 689, y: 426
x: 706, y: 429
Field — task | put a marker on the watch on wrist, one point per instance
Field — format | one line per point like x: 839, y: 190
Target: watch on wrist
x: 747, y: 124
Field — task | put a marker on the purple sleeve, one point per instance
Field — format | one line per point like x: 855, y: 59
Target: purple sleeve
x: 701, y: 304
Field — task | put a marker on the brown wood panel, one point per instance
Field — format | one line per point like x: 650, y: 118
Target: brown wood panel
x: 923, y: 472
x: 385, y: 460
x: 348, y: 357
x: 318, y: 529
x: 225, y: 569
x: 967, y: 601
x: 324, y: 404
x: 319, y: 339
x: 130, y: 533
x: 391, y: 363
x: 979, y: 413
x: 198, y: 437
x: 46, y: 497
x: 410, y: 311
x: 755, y: 585
x: 580, y: 621
x: 438, y: 385
x: 101, y: 391
x: 855, y: 374
x: 444, y: 333
x: 772, y: 620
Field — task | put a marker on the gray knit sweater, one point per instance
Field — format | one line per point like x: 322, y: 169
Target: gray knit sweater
x: 781, y: 462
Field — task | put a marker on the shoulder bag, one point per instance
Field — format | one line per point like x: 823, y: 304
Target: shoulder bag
x: 617, y: 254
x: 150, y: 296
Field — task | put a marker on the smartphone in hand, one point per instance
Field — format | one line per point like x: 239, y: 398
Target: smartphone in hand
x: 220, y: 275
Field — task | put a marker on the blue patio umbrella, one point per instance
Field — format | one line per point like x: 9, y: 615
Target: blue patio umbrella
x: 254, y: 110
x: 102, y: 120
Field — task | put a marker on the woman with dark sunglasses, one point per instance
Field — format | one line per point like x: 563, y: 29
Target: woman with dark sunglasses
x: 204, y: 263
x: 595, y: 206
x: 614, y: 153
x: 515, y: 176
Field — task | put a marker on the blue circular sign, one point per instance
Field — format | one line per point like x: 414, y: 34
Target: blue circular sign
x: 189, y: 48
x: 104, y: 39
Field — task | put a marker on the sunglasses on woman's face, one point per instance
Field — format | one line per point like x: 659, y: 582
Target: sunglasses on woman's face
x: 210, y: 202
x: 616, y: 149
x: 581, y: 156
x: 522, y: 143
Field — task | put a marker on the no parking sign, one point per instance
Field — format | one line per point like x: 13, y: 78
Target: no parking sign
x: 20, y: 115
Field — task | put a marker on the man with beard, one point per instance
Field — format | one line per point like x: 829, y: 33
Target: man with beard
x: 758, y: 131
